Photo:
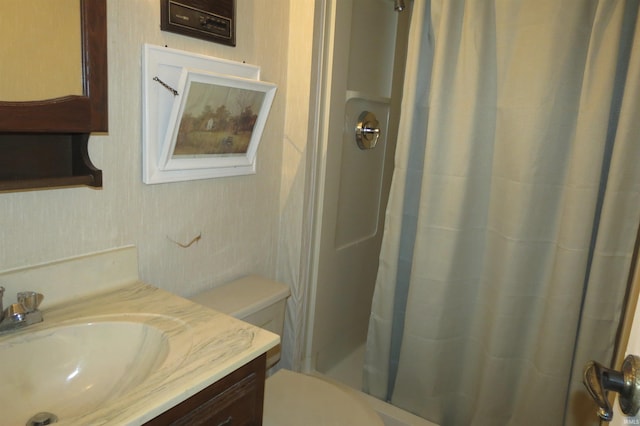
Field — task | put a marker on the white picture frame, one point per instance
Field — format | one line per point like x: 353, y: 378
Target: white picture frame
x: 170, y: 78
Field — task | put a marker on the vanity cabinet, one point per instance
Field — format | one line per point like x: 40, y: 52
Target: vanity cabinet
x: 236, y: 399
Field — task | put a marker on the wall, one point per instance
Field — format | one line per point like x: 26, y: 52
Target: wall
x: 238, y: 218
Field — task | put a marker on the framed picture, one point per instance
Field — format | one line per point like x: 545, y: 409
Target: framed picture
x: 216, y: 123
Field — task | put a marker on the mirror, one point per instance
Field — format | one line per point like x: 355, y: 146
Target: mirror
x: 68, y: 112
x: 45, y: 58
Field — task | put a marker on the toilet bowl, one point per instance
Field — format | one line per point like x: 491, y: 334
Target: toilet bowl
x: 299, y: 399
x: 290, y: 398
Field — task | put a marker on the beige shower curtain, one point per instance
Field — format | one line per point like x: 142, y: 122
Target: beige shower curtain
x: 513, y: 210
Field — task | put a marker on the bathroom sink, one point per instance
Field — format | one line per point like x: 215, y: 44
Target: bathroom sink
x: 72, y: 369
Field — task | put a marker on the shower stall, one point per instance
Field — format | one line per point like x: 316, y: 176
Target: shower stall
x: 361, y: 48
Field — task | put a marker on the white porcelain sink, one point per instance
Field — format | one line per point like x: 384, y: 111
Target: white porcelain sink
x: 73, y: 368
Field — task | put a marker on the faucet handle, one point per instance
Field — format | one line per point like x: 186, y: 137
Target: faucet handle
x: 30, y: 300
x: 15, y: 313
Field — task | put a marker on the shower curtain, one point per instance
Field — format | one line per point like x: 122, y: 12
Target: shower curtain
x: 513, y: 212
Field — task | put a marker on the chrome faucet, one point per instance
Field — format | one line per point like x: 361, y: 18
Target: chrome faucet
x: 21, y: 314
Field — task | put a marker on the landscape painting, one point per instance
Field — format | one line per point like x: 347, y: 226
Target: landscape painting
x: 217, y: 121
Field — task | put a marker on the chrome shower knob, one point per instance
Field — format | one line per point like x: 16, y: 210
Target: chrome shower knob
x: 367, y: 130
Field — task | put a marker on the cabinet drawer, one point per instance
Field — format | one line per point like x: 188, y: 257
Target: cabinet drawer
x: 234, y: 400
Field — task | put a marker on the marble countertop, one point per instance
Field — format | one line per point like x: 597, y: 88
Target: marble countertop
x: 205, y: 346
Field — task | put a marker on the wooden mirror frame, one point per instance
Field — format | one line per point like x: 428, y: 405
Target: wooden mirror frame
x: 71, y: 114
x: 44, y: 144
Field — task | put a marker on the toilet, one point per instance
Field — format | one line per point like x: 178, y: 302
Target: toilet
x: 290, y: 398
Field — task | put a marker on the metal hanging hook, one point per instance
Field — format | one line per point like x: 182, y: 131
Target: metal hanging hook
x: 626, y: 382
x: 398, y: 5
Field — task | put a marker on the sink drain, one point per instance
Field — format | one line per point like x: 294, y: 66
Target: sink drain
x: 42, y: 419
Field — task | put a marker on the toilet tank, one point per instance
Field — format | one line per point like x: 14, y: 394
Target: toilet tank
x: 254, y: 299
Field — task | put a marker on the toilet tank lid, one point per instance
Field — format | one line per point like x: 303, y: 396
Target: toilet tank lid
x: 243, y: 297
